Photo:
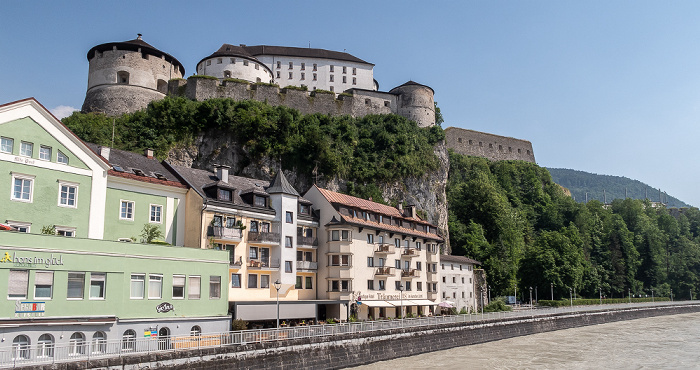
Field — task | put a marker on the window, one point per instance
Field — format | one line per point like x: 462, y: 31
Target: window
x: 76, y: 285
x: 178, y: 286
x: 381, y: 262
x: 156, y: 213
x: 43, y: 284
x: 265, y: 281
x: 452, y: 266
x: 345, y: 285
x: 252, y: 281
x: 245, y: 63
x: 370, y: 284
x: 354, y: 71
x: 61, y: 158
x: 22, y: 187
x: 99, y: 342
x: 288, y: 266
x: 127, y: 210
x: 315, y: 67
x: 265, y: 227
x: 462, y: 280
x: 291, y: 75
x: 290, y: 217
x: 418, y: 246
x: 315, y: 78
x: 97, y: 285
x: 219, y: 60
x: 309, y: 283
x: 381, y: 237
x: 460, y: 267
x: 398, y: 285
x: 6, y: 144
x: 123, y: 76
x: 418, y: 265
x: 76, y: 344
x: 331, y: 78
x: 370, y: 262
x: 138, y: 282
x: 44, y: 346
x: 45, y: 153
x: 335, y: 235
x: 408, y: 286
x: 214, y: 287
x: 20, y: 347
x: 128, y: 340
x: 345, y: 79
x: 370, y: 238
x: 406, y: 244
x: 382, y: 285
x: 26, y: 149
x: 65, y: 231
x: 259, y: 201
x: 279, y: 64
x: 303, y: 75
x: 419, y: 286
x: 155, y: 286
x: 299, y: 282
x: 454, y: 280
x: 331, y: 67
x: 224, y: 194
x: 354, y: 81
x: 288, y: 241
x: 195, y: 331
x: 68, y: 194
x: 345, y: 235
x: 444, y: 280
x: 194, y: 291
x: 291, y: 65
x: 397, y: 264
x: 235, y: 280
x: 18, y: 284
x: 406, y: 265
x: 397, y: 243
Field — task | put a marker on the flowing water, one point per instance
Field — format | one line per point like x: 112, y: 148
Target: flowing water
x: 664, y: 342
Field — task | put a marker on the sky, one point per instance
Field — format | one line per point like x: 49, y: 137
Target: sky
x: 608, y: 87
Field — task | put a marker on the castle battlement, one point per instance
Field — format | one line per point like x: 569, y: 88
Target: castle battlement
x: 490, y: 146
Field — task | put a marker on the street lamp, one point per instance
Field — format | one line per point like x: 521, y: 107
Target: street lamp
x: 552, y: 286
x: 488, y: 289
x: 600, y: 291
x: 629, y: 295
x: 571, y: 298
x: 401, y: 306
x: 277, y: 286
x: 536, y: 300
x: 652, y: 296
x: 481, y: 295
x: 530, y: 299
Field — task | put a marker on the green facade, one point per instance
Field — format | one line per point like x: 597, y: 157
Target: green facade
x: 119, y: 261
x: 116, y: 228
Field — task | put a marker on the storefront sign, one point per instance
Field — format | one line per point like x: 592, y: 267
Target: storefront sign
x: 31, y: 261
x: 398, y: 296
x: 164, y: 307
x: 30, y: 309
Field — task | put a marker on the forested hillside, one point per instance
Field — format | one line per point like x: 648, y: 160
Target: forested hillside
x: 511, y: 216
x: 615, y: 187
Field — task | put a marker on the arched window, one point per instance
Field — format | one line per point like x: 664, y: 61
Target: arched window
x: 44, y: 347
x: 123, y: 77
x: 227, y: 74
x: 163, y: 338
x: 196, y: 331
x: 258, y: 79
x: 99, y: 342
x: 20, y: 347
x: 162, y: 86
x: 128, y: 340
x: 76, y: 344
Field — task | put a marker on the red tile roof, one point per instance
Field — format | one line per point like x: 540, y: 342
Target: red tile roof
x: 397, y: 229
x: 146, y: 179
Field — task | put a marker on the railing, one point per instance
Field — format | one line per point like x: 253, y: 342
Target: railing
x: 307, y: 265
x: 264, y: 237
x: 409, y: 252
x: 410, y: 273
x: 10, y: 357
x: 235, y: 261
x: 227, y: 233
x: 385, y: 249
x: 384, y: 271
x: 273, y: 263
x: 307, y: 242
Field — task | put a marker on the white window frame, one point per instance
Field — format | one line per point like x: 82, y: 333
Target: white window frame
x: 42, y: 149
x: 183, y: 285
x: 97, y: 277
x: 20, y: 176
x: 60, y: 158
x: 22, y: 149
x: 50, y: 285
x: 82, y: 295
x: 68, y: 184
x: 17, y: 224
x: 65, y: 230
x: 9, y: 140
x: 131, y: 282
x: 155, y: 278
x: 150, y: 214
x: 133, y: 209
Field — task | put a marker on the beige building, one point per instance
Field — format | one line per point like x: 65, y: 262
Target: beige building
x: 375, y: 259
x: 270, y: 232
x: 457, y: 284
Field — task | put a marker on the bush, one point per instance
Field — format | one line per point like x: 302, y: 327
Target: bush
x: 237, y: 80
x: 321, y: 91
x: 299, y: 88
x: 497, y: 305
x: 204, y: 77
x: 266, y: 84
x: 239, y: 324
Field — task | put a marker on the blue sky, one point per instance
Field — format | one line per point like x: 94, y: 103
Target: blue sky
x: 598, y: 86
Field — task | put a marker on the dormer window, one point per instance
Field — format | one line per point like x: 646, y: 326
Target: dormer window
x: 259, y: 201
x: 224, y: 194
x: 139, y: 172
x: 160, y: 176
x: 303, y: 209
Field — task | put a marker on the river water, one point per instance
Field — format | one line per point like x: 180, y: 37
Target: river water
x: 664, y: 342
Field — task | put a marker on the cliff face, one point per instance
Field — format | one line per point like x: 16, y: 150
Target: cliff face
x: 426, y: 192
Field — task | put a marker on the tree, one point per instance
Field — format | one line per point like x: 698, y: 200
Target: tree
x: 150, y: 233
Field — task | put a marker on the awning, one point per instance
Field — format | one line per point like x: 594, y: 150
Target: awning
x: 405, y: 303
x: 269, y: 311
x: 423, y: 302
x: 377, y: 304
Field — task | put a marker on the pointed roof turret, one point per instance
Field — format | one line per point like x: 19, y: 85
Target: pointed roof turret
x: 281, y: 185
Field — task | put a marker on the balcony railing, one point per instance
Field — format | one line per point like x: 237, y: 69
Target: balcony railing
x: 385, y: 249
x: 411, y: 273
x: 270, y: 263
x: 227, y: 233
x: 235, y: 261
x: 384, y: 271
x: 264, y: 237
x: 307, y: 242
x: 307, y: 265
x: 409, y: 252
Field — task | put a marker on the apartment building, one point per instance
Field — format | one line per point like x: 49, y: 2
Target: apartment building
x: 458, y: 285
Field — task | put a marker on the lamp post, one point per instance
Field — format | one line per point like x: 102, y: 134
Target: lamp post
x: 629, y: 295
x: 536, y: 300
x: 552, y: 286
x: 671, y: 294
x: 277, y: 286
x: 600, y: 292
x: 530, y: 299
x: 652, y: 296
x: 488, y: 289
x: 571, y: 298
x: 481, y: 295
x: 401, y: 306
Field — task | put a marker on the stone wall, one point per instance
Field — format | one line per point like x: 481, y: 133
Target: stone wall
x: 492, y: 147
x: 368, y: 347
x: 114, y: 100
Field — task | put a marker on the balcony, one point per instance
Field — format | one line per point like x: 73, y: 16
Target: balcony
x: 307, y: 265
x: 225, y: 233
x: 235, y: 262
x: 307, y: 242
x: 384, y: 249
x: 409, y: 252
x: 264, y: 263
x: 411, y: 273
x: 264, y: 237
x: 384, y: 271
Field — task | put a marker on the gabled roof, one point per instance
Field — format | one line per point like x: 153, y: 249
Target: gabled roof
x: 458, y: 259
x: 281, y: 185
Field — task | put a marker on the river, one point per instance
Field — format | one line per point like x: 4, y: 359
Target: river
x: 663, y: 342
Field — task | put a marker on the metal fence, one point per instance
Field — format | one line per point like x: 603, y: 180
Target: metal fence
x: 20, y: 354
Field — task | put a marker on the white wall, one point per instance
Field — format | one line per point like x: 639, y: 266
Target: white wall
x: 237, y: 67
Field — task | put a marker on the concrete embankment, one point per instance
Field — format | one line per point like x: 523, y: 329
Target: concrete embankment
x: 355, y: 349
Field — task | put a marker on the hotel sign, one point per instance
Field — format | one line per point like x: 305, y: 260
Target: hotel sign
x: 30, y: 309
x: 31, y: 261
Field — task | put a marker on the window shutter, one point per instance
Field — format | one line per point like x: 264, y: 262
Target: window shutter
x: 178, y: 280
x: 98, y: 277
x: 43, y: 278
x: 19, y: 280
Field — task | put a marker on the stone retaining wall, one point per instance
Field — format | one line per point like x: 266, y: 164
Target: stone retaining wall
x: 363, y: 348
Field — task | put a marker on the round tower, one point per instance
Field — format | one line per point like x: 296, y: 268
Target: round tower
x: 234, y: 62
x: 415, y: 102
x: 125, y: 76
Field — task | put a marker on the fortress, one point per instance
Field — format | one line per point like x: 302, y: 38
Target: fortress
x: 125, y: 76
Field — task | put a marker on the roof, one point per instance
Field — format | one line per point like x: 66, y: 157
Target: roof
x: 412, y: 83
x: 302, y: 52
x: 138, y: 167
x: 228, y: 50
x: 135, y: 45
x: 458, y: 259
x: 281, y: 185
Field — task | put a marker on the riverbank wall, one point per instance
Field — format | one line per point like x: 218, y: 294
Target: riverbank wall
x: 348, y: 350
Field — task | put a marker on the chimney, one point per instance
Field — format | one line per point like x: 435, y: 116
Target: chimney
x: 138, y: 37
x: 104, y: 152
x: 412, y: 211
x: 148, y: 153
x: 222, y: 172
x: 400, y: 207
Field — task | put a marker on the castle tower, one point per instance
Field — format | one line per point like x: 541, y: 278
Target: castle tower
x: 415, y: 102
x: 234, y: 62
x: 125, y: 76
